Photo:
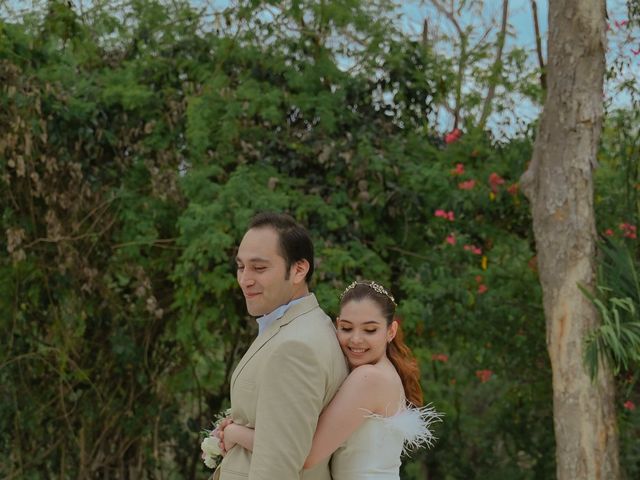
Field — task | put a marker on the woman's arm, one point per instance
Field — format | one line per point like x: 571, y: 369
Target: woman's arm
x: 237, y: 434
x: 344, y: 414
x: 359, y: 393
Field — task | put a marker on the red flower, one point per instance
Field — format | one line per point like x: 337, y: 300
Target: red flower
x: 495, y: 181
x: 468, y: 185
x: 440, y: 357
x: 451, y: 239
x: 452, y: 136
x: 484, y: 375
x: 459, y: 170
x: 629, y: 231
x: 629, y: 405
x: 608, y: 232
x: 482, y: 288
x: 513, y: 189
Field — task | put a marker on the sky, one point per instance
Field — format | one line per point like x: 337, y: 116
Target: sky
x: 483, y: 16
x: 486, y: 16
x: 521, y: 33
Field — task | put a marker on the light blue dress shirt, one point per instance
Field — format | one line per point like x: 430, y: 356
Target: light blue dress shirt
x: 267, y: 320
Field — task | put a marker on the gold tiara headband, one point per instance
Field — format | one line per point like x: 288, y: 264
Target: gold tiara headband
x: 375, y: 286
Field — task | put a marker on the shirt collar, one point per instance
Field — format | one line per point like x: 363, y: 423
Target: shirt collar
x: 267, y: 320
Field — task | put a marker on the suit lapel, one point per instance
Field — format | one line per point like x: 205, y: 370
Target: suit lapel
x: 306, y: 305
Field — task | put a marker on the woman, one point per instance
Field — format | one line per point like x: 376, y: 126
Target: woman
x: 373, y: 418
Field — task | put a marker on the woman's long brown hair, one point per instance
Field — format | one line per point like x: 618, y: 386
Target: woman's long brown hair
x: 398, y: 352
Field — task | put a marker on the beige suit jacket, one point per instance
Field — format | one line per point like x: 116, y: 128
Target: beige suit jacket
x: 288, y: 375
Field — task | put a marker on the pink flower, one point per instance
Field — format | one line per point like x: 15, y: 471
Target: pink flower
x: 451, y: 239
x: 440, y: 357
x: 468, y: 185
x: 629, y: 405
x: 452, y: 136
x: 484, y: 375
x: 459, y: 170
x: 482, y: 288
x: 608, y: 232
x: 473, y: 249
x: 446, y: 215
x: 495, y: 181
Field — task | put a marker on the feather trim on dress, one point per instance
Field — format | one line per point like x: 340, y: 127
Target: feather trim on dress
x: 414, y: 423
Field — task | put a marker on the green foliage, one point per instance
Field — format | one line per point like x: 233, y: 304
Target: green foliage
x: 90, y: 153
x: 617, y: 339
x: 617, y: 203
x: 137, y: 143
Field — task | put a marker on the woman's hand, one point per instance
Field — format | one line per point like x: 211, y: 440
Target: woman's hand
x: 228, y: 437
x: 219, y: 433
x: 231, y: 434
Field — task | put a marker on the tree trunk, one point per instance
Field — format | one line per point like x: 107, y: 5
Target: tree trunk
x: 559, y: 186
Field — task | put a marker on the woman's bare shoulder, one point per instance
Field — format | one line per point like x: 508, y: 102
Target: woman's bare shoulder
x: 375, y: 385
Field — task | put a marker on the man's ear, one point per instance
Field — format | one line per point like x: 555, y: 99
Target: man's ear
x: 299, y: 270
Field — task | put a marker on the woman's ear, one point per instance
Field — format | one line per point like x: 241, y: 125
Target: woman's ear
x: 392, y: 331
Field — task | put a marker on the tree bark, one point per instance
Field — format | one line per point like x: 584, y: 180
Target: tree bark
x: 496, y: 69
x: 536, y: 28
x: 559, y: 185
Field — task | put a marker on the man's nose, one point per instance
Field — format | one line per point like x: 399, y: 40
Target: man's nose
x: 245, y: 278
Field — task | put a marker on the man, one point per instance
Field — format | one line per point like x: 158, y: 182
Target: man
x: 294, y: 366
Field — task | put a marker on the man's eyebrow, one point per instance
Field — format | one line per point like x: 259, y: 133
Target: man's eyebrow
x: 254, y: 260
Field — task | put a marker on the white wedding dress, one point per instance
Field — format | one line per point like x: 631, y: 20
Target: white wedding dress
x: 373, y: 451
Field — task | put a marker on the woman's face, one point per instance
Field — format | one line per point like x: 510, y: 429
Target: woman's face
x: 362, y: 332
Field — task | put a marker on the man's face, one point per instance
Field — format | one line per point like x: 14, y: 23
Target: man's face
x: 261, y: 272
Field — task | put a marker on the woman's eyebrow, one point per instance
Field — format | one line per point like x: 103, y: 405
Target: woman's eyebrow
x: 376, y: 322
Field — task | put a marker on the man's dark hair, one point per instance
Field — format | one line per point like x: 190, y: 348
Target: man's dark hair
x: 295, y: 241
